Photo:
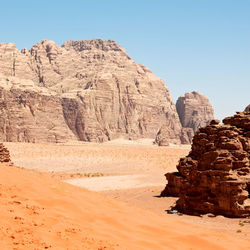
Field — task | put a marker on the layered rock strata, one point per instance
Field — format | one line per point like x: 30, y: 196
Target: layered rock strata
x: 215, y: 176
x: 29, y: 116
x: 163, y: 137
x: 82, y: 90
x: 195, y: 111
x: 4, y: 154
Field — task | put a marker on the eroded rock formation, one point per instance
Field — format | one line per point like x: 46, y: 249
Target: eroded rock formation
x: 195, y: 111
x: 82, y: 90
x: 4, y: 154
x: 247, y: 108
x: 215, y: 176
x: 163, y: 137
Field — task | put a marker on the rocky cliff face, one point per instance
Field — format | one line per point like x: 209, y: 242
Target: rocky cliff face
x: 82, y: 90
x: 215, y: 176
x: 29, y: 116
x: 247, y: 108
x: 194, y: 110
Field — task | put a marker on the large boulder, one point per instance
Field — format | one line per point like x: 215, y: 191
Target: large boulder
x: 215, y: 176
x: 82, y: 90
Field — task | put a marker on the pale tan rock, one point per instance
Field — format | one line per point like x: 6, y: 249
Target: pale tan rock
x: 85, y: 90
x: 195, y: 110
x: 29, y: 116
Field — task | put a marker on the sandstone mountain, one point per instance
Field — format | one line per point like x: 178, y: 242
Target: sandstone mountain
x: 82, y: 90
x: 195, y: 111
x: 215, y: 176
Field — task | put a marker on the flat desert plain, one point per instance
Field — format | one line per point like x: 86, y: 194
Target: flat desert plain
x: 47, y: 204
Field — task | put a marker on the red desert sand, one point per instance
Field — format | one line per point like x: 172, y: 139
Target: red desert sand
x: 39, y: 212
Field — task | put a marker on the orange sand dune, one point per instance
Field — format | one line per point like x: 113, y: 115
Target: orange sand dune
x: 38, y: 212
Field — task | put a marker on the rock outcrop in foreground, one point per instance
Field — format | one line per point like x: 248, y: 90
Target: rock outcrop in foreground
x: 82, y: 90
x: 215, y: 176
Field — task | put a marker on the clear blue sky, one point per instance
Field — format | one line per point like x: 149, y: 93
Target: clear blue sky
x: 201, y: 45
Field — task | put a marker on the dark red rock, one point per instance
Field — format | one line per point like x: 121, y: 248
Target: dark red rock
x: 214, y: 122
x: 247, y: 108
x: 4, y: 154
x: 215, y: 176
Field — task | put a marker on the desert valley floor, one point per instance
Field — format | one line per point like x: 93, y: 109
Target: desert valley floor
x: 41, y: 210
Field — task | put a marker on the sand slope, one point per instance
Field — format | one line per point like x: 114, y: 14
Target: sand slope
x: 38, y: 212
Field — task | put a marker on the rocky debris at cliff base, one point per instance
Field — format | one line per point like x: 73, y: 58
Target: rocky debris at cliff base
x: 194, y: 111
x: 163, y: 137
x: 4, y: 154
x: 215, y: 176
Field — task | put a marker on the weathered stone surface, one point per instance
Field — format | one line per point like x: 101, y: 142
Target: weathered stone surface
x: 82, y: 90
x: 247, y: 108
x: 28, y: 116
x: 194, y: 110
x: 4, y: 154
x: 165, y: 135
x: 215, y: 176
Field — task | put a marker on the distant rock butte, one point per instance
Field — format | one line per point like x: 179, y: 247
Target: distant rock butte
x: 195, y: 111
x: 82, y: 90
x: 247, y: 108
x: 215, y: 176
